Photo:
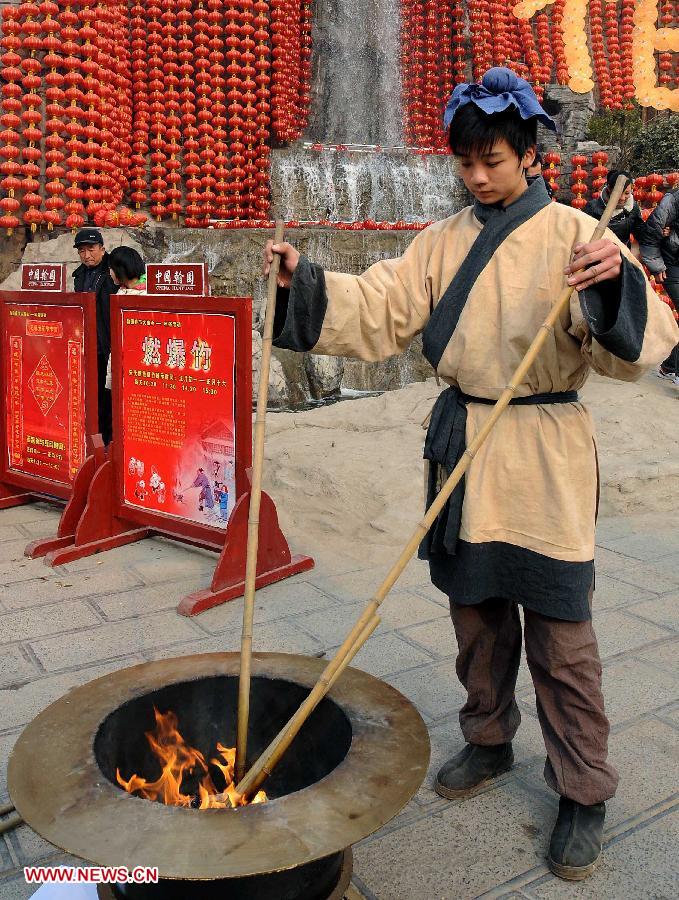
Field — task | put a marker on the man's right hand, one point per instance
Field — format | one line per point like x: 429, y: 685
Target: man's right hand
x: 661, y: 276
x: 289, y: 259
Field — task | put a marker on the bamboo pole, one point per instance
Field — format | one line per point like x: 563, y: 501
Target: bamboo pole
x: 12, y: 822
x: 268, y: 759
x: 253, y: 515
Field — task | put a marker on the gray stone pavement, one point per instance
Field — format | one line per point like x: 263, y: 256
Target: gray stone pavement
x: 62, y: 628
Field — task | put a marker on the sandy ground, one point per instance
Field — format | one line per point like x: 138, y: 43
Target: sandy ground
x: 322, y: 470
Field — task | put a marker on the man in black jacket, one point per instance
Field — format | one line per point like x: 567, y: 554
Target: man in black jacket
x: 660, y: 254
x: 626, y: 219
x: 93, y: 275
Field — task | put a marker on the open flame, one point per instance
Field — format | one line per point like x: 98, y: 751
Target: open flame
x: 177, y: 760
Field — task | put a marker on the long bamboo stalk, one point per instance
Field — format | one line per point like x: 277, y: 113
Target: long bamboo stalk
x: 253, y: 515
x: 11, y: 822
x: 268, y: 759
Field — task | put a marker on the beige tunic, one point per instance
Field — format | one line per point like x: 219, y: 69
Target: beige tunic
x: 533, y: 484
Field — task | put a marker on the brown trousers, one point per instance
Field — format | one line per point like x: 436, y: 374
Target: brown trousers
x: 563, y: 659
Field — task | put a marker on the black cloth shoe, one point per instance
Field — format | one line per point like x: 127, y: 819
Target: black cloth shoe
x: 575, y: 847
x: 473, y: 766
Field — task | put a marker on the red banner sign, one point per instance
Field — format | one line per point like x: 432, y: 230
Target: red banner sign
x: 45, y: 390
x: 43, y: 277
x: 178, y: 392
x: 185, y: 279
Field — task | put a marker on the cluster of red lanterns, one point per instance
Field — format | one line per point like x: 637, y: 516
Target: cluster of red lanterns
x: 53, y: 50
x: 427, y: 75
x: 291, y: 22
x: 169, y: 102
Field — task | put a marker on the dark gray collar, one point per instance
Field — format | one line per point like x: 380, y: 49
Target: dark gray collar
x: 530, y: 202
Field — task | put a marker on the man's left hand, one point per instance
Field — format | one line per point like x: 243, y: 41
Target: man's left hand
x: 594, y: 262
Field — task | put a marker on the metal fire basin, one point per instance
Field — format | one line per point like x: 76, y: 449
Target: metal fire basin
x: 59, y: 780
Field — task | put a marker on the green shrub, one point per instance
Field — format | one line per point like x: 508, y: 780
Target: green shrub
x: 656, y: 147
x: 618, y: 128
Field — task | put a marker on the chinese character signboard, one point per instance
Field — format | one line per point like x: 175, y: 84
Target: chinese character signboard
x: 43, y: 277
x: 177, y: 404
x: 44, y: 374
x: 184, y: 279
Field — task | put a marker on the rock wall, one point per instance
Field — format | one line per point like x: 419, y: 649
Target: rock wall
x: 234, y: 259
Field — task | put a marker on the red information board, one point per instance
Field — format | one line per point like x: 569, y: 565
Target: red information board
x: 43, y: 277
x: 178, y: 409
x: 183, y: 409
x: 49, y: 382
x: 179, y: 279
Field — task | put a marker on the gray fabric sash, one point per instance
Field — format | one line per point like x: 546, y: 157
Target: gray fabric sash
x: 498, y: 224
x: 444, y: 446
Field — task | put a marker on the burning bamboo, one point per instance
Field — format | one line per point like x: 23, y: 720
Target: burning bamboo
x: 263, y: 767
x: 253, y: 516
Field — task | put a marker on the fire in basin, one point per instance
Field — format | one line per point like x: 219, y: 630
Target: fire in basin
x: 356, y: 762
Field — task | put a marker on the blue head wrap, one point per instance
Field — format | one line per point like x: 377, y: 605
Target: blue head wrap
x: 499, y: 90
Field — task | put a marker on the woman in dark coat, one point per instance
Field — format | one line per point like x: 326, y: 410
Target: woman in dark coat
x: 626, y: 219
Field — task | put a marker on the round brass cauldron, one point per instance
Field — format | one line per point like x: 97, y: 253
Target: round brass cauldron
x: 58, y: 785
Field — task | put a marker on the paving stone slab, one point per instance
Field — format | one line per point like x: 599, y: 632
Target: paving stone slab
x: 10, y: 533
x: 12, y: 551
x: 278, y: 601
x: 117, y: 639
x: 611, y: 592
x: 618, y: 631
x: 182, y: 563
x: 30, y: 512
x: 433, y: 689
x: 143, y: 600
x: 7, y: 742
x: 27, y: 623
x: 664, y: 611
x: 29, y: 847
x: 331, y: 625
x: 21, y: 705
x: 59, y: 586
x: 274, y: 637
x: 648, y: 577
x: 24, y: 569
x: 665, y: 656
x: 15, y: 667
x: 632, y: 686
x: 639, y: 867
x: 7, y: 864
x: 460, y: 851
x: 388, y: 654
x: 404, y: 608
x: 648, y: 546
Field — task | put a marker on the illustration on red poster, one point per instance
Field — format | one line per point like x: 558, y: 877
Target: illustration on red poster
x: 178, y: 372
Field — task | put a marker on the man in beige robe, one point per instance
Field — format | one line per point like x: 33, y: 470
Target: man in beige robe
x: 478, y: 285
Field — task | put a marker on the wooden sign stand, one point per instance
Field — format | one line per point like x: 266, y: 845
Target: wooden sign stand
x: 103, y: 516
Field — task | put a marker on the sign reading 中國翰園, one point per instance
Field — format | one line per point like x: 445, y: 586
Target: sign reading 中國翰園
x: 43, y: 277
x: 181, y: 279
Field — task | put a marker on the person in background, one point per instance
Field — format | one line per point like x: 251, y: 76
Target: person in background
x: 128, y: 272
x: 534, y: 171
x: 93, y: 275
x: 660, y: 255
x: 626, y: 219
